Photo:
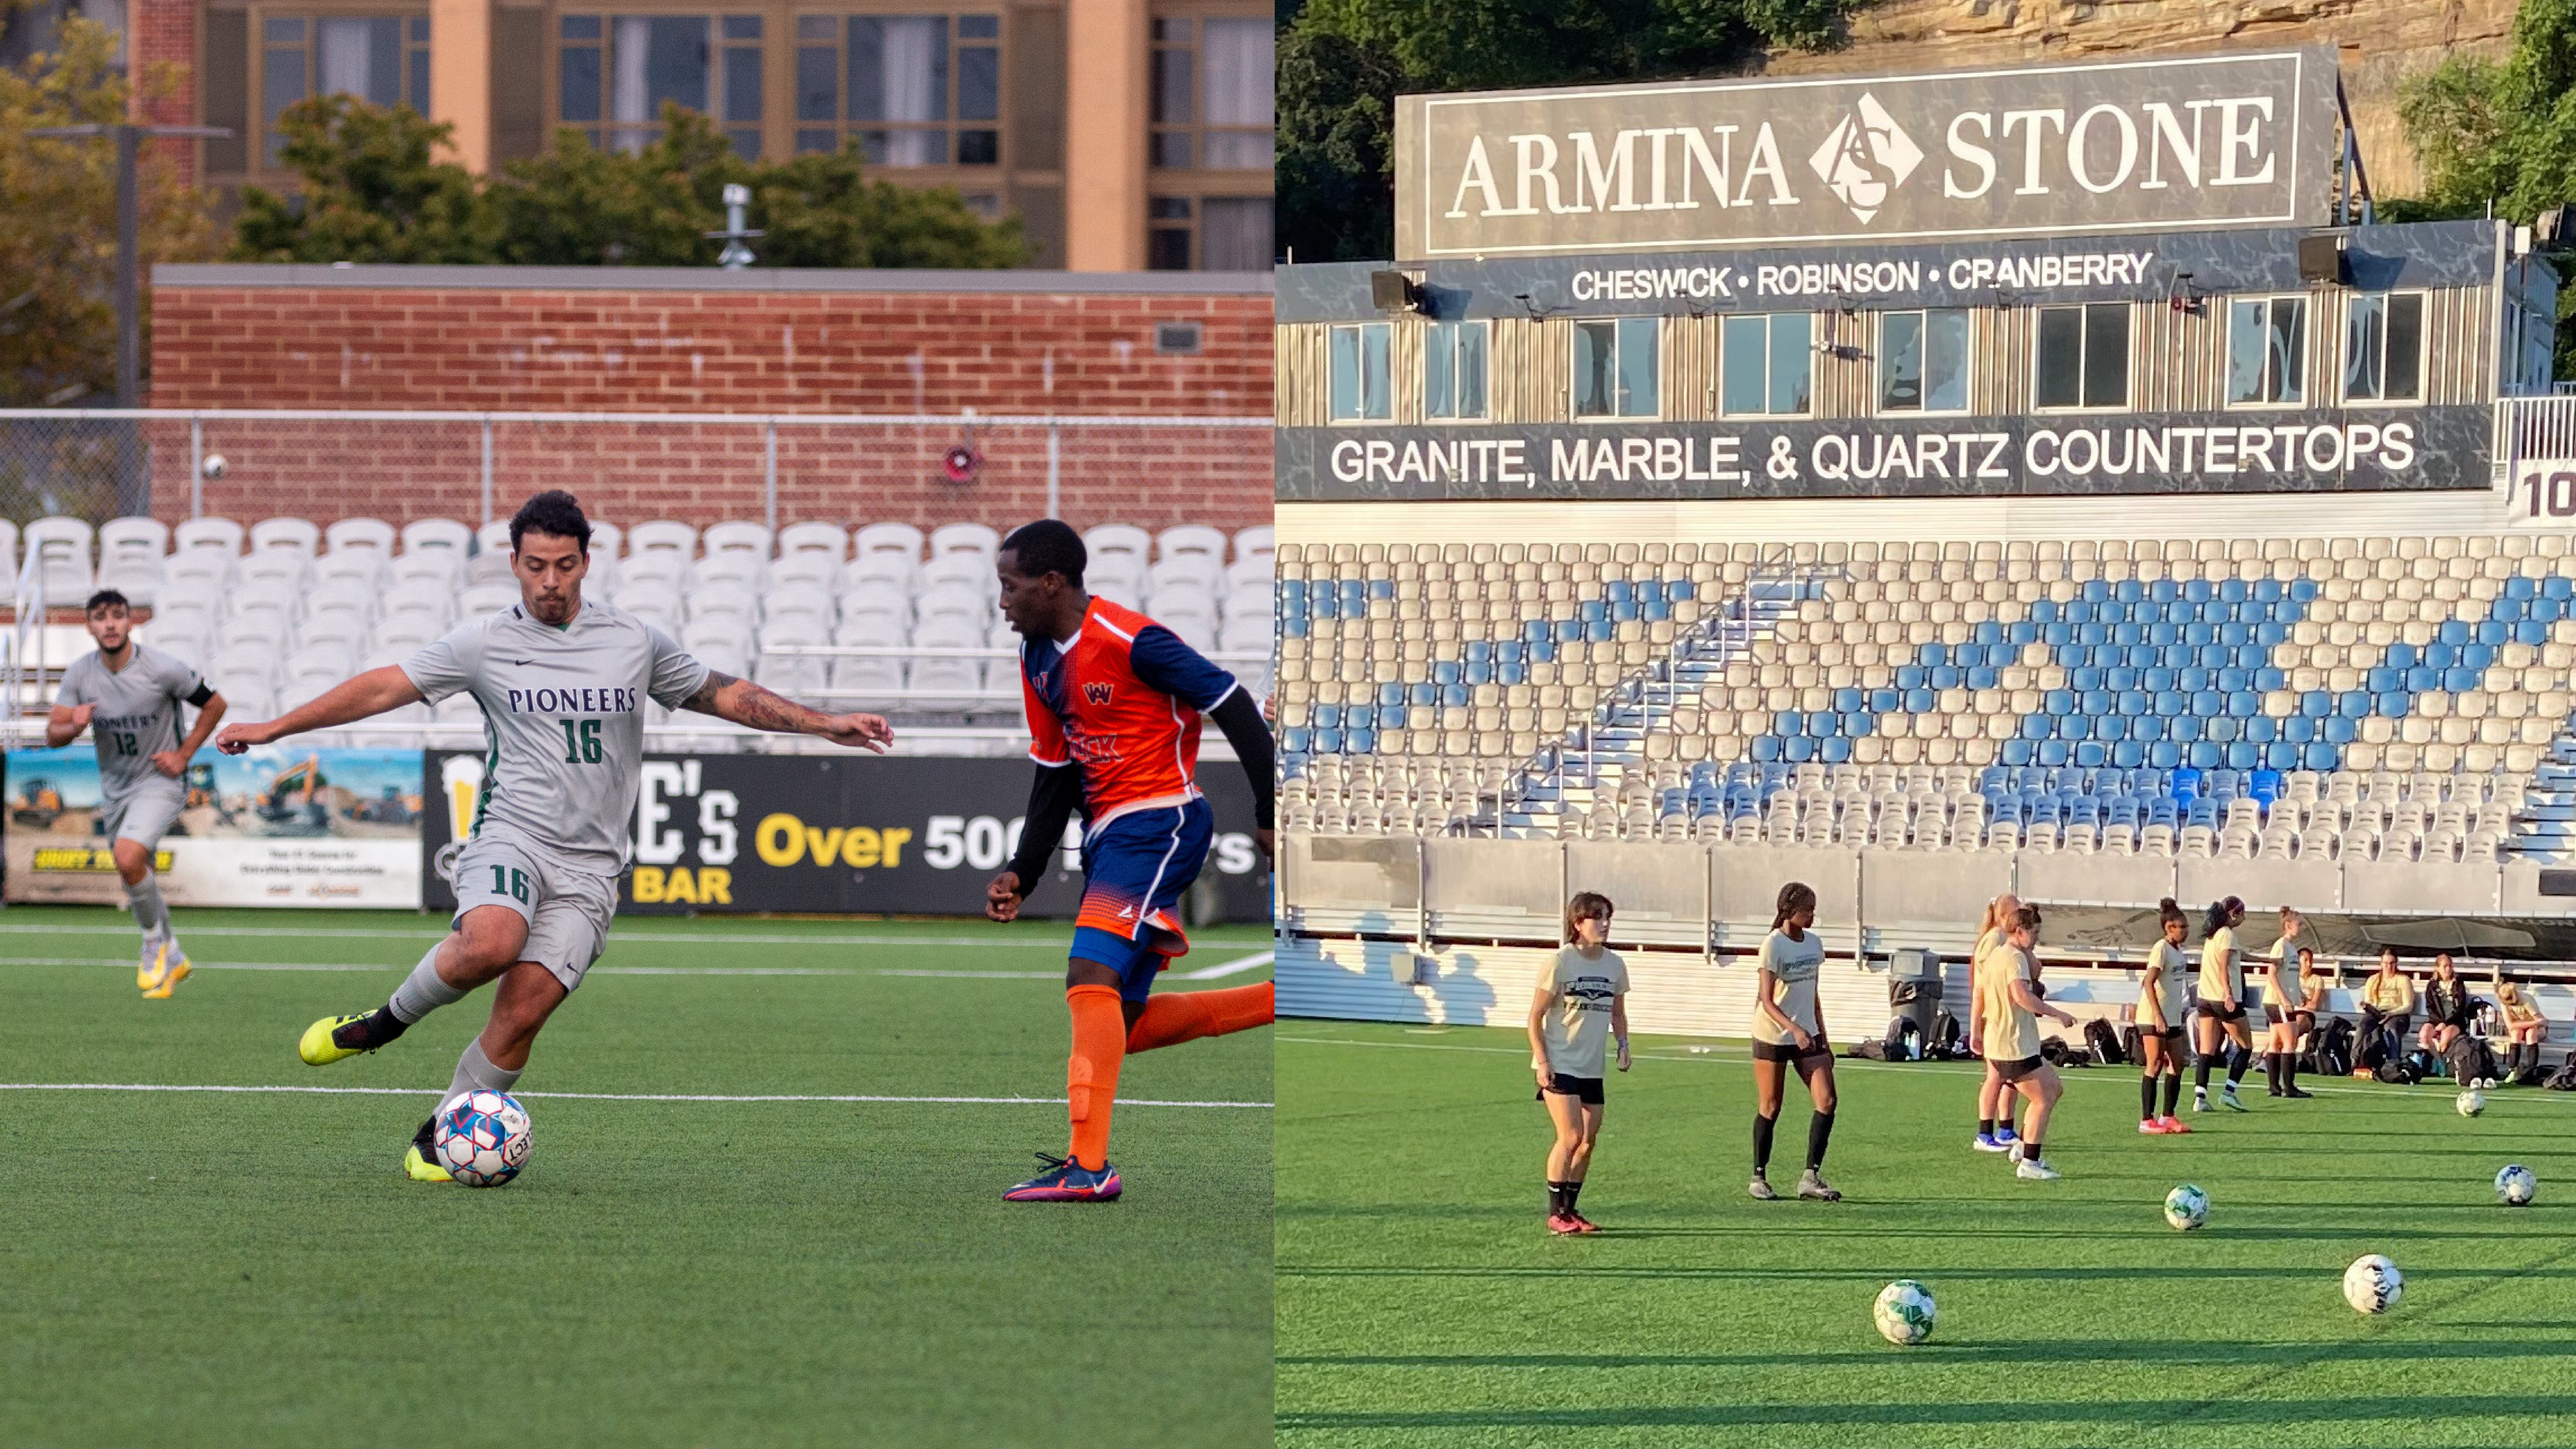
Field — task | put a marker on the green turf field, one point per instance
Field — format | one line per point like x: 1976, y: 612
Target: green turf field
x: 1422, y: 1303
x: 198, y: 1268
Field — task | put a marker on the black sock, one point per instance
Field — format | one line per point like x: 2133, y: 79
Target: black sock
x: 2200, y: 1074
x: 1985, y: 1126
x: 1762, y: 1143
x: 2146, y: 1099
x: 2237, y: 1061
x: 2289, y: 1071
x: 2272, y: 1071
x: 2173, y: 1090
x: 426, y: 1139
x: 1820, y: 1129
x: 1573, y: 1193
x: 2030, y: 1149
x: 372, y: 1030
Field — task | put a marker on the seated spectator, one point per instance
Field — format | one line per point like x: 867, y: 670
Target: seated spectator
x: 2448, y: 1007
x: 2387, y: 1005
x: 2524, y: 1029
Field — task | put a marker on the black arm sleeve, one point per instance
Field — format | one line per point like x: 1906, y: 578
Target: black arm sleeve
x: 1052, y: 798
x: 1244, y: 728
x: 204, y: 692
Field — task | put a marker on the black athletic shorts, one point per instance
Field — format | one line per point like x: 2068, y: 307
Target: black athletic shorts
x: 2229, y: 1011
x: 2015, y: 1071
x: 2305, y: 1021
x: 1787, y: 1051
x: 1585, y: 1089
x: 2161, y: 1033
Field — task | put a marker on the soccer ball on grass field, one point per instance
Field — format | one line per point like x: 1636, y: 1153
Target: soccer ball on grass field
x: 483, y: 1138
x: 2186, y: 1207
x: 2372, y: 1284
x: 1903, y: 1312
x: 2471, y: 1102
x: 2516, y: 1186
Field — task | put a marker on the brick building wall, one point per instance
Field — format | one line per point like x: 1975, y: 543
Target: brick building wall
x: 161, y: 40
x: 596, y: 340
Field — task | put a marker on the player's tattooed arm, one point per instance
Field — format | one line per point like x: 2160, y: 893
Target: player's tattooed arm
x: 745, y: 703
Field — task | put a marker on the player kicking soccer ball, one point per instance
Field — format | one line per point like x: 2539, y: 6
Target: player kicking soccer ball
x: 1113, y: 703
x: 128, y: 698
x: 562, y: 681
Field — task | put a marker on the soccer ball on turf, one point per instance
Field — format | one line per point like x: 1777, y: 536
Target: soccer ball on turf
x: 483, y: 1138
x: 2516, y: 1185
x: 2471, y: 1102
x: 1904, y: 1312
x: 2372, y: 1284
x: 2186, y: 1207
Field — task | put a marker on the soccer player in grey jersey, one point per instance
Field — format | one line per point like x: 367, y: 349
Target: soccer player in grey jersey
x: 562, y: 682
x: 128, y: 697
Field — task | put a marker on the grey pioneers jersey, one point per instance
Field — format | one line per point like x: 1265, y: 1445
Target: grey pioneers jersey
x: 563, y: 712
x: 137, y: 716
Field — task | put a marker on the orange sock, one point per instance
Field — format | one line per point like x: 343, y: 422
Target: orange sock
x: 1188, y: 1015
x: 1091, y: 1076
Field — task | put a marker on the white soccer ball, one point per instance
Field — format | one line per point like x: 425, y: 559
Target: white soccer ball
x: 2186, y: 1207
x: 2372, y: 1284
x: 2516, y: 1186
x: 2471, y: 1102
x: 214, y: 466
x: 1903, y: 1312
x: 483, y: 1138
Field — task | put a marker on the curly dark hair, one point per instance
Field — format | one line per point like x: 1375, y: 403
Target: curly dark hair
x: 553, y: 512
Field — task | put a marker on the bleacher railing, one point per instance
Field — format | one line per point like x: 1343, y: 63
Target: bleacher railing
x: 2529, y: 429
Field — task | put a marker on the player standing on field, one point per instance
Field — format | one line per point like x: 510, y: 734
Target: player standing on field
x: 128, y: 697
x: 1789, y: 1031
x: 1994, y: 1113
x: 1580, y: 1006
x: 2008, y: 1010
x: 562, y: 681
x: 2222, y: 1005
x: 1114, y: 701
x: 2160, y: 1010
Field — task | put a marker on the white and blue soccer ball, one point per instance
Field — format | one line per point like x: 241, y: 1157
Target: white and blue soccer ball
x: 2517, y: 1185
x: 2372, y: 1284
x: 2186, y: 1207
x: 1903, y: 1313
x: 483, y: 1138
x: 2471, y: 1102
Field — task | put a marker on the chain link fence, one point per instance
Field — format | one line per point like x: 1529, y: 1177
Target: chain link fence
x: 70, y: 466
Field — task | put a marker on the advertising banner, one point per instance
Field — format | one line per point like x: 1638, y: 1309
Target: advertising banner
x: 2241, y: 139
x: 276, y: 826
x: 914, y: 835
x: 2342, y: 450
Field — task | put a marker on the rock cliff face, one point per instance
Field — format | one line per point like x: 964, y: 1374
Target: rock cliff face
x: 2381, y: 43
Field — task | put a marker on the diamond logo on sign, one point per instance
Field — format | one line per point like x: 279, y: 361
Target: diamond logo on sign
x: 1865, y: 158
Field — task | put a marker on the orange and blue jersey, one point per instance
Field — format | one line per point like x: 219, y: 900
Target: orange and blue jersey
x: 1122, y: 705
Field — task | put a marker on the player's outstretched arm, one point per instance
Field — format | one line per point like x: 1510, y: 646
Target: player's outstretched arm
x: 64, y: 722
x: 347, y: 702
x: 746, y: 703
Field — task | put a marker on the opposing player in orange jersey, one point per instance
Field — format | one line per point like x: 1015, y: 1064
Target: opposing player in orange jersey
x: 1114, y: 701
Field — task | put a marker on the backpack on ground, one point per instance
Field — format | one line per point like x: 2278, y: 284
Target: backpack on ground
x: 2395, y: 1070
x: 2421, y: 1065
x: 2330, y: 1053
x: 1903, y: 1042
x: 2129, y: 1046
x: 2470, y: 1059
x: 1946, y: 1043
x: 1872, y: 1049
x: 2564, y: 1080
x: 2105, y: 1043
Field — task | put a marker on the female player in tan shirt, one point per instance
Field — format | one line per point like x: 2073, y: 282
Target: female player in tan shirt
x: 2161, y: 1003
x: 1581, y: 1006
x: 2008, y: 1010
x: 2222, y: 1005
x: 2292, y: 991
x: 1789, y: 1031
x: 1994, y: 1120
x: 2524, y: 1026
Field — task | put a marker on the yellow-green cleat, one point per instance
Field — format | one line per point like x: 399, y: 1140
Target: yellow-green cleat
x: 418, y: 1163
x: 321, y: 1045
x: 174, y: 969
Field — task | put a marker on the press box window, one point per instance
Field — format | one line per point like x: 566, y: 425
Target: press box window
x: 1359, y: 373
x: 1766, y: 365
x: 2084, y: 356
x: 1453, y: 370
x: 1923, y: 361
x: 2383, y: 347
x: 2267, y: 350
x: 1614, y: 368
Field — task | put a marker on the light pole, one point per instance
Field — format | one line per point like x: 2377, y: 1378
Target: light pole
x: 129, y: 245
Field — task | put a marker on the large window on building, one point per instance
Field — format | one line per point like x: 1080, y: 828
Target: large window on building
x: 2083, y: 356
x: 1213, y: 92
x: 1209, y: 234
x: 1360, y: 383
x: 917, y: 90
x: 1453, y: 369
x: 1614, y: 368
x: 2267, y: 351
x: 380, y: 59
x: 1923, y: 361
x: 1766, y: 365
x: 615, y: 72
x: 2383, y: 347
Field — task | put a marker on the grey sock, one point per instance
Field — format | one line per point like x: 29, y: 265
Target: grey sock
x: 150, y: 912
x: 475, y: 1070
x: 422, y: 992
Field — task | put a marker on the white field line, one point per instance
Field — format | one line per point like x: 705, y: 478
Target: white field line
x: 1228, y: 968
x: 615, y: 938
x: 591, y: 1096
x: 1735, y: 1057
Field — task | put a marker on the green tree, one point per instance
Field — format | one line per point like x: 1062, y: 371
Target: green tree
x: 374, y: 191
x: 58, y: 221
x: 1342, y: 62
x: 578, y: 205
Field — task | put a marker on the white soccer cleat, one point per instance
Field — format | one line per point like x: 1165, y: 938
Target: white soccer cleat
x: 2034, y: 1169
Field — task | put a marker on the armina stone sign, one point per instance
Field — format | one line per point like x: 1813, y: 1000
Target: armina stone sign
x: 2209, y: 141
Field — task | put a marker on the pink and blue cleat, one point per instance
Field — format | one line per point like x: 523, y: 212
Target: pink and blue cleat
x: 1066, y: 1180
